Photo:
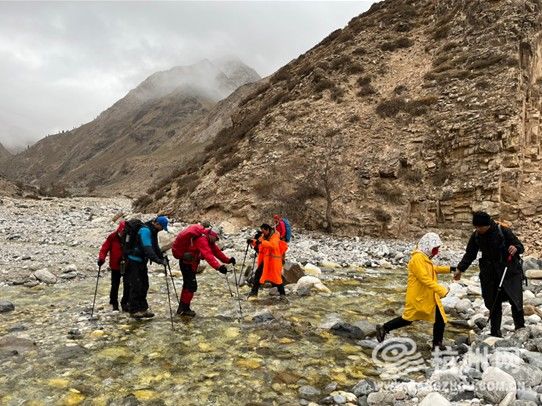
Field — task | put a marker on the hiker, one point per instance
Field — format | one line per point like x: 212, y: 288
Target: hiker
x: 282, y: 226
x: 270, y: 249
x: 112, y: 246
x: 423, y: 292
x: 194, y: 243
x: 142, y: 247
x: 500, y: 248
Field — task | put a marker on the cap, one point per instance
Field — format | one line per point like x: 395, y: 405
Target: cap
x: 163, y: 221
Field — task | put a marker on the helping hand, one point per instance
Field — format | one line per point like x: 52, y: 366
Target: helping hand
x: 512, y: 250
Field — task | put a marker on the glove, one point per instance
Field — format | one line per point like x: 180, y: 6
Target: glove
x: 453, y: 269
x: 258, y: 235
x: 101, y: 262
x: 232, y: 261
x: 223, y: 270
x: 250, y: 241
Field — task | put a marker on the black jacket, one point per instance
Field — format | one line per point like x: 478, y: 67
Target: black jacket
x: 494, y: 246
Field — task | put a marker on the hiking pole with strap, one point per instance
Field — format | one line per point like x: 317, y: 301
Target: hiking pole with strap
x: 172, y: 280
x: 95, y: 291
x: 238, y: 296
x: 500, y: 287
x: 228, y: 283
x: 251, y: 275
x: 169, y: 298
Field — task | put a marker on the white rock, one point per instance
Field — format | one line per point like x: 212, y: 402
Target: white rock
x: 312, y: 270
x: 70, y: 268
x: 311, y: 282
x: 527, y: 294
x: 533, y: 273
x: 463, y: 305
x: 534, y: 319
x: 434, y: 399
x: 45, y: 276
x: 449, y: 302
x: 457, y: 290
x: 495, y: 385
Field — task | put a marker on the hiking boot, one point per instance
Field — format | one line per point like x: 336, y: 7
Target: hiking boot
x: 497, y: 333
x: 184, y: 310
x: 146, y: 314
x: 380, y: 333
x: 438, y: 345
x: 115, y: 307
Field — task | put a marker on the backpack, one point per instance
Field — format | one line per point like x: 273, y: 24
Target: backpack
x: 288, y: 235
x: 130, y: 239
x: 185, y: 238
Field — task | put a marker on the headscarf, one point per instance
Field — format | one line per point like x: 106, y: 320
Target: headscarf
x: 428, y: 242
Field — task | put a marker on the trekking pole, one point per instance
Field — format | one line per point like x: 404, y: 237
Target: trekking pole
x: 243, y: 266
x: 95, y: 291
x: 228, y: 283
x: 500, y: 287
x: 238, y: 297
x: 169, y: 299
x: 251, y: 275
x: 172, y: 280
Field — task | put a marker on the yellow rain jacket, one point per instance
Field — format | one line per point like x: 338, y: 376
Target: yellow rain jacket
x: 423, y: 291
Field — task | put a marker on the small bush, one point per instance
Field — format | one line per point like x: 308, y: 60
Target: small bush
x: 359, y: 51
x: 354, y: 118
x: 484, y: 62
x: 382, y: 216
x: 366, y: 90
x: 227, y: 165
x: 390, y: 108
x: 340, y: 62
x: 388, y: 191
x: 364, y: 81
x: 399, y: 43
x: 400, y: 89
x: 337, y: 94
x: 142, y: 201
x: 282, y: 74
x: 323, y: 84
x: 354, y: 68
x: 441, y: 32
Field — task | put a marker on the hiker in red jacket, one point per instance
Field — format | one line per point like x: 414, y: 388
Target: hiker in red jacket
x: 112, y: 246
x: 190, y: 247
x: 280, y: 227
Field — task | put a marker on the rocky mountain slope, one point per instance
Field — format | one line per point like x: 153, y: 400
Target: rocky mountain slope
x: 138, y: 137
x: 4, y: 153
x: 410, y: 117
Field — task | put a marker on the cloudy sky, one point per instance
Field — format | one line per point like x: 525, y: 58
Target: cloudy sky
x: 63, y: 63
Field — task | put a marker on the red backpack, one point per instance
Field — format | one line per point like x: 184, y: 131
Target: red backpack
x: 185, y: 238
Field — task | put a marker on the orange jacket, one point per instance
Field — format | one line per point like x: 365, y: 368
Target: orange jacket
x: 270, y: 253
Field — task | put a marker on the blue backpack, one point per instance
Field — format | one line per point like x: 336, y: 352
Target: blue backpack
x: 288, y: 235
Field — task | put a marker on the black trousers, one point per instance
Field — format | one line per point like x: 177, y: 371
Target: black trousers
x: 438, y: 327
x: 496, y: 315
x: 256, y: 283
x: 138, y: 280
x: 116, y: 277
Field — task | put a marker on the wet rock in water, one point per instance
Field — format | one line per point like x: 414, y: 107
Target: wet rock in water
x: 16, y: 345
x: 17, y: 327
x: 292, y: 272
x: 344, y: 329
x: 434, y: 399
x: 364, y: 387
x: 6, y: 306
x: 308, y: 392
x: 45, y: 276
x: 263, y: 316
x: 68, y: 354
x: 495, y: 385
x: 74, y: 334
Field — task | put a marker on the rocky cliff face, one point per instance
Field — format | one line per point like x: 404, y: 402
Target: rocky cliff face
x: 412, y: 116
x: 137, y: 139
x: 4, y: 153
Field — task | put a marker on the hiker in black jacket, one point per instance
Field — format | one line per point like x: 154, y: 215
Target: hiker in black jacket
x: 500, y: 248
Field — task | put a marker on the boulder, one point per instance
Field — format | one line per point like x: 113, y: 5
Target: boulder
x: 311, y: 283
x: 6, y: 306
x: 44, y: 275
x: 292, y: 272
x: 364, y: 387
x: 434, y: 399
x: 533, y: 273
x: 495, y: 385
x: 313, y: 270
x: 346, y: 330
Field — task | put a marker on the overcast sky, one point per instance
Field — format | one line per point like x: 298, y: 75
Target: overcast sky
x: 61, y: 64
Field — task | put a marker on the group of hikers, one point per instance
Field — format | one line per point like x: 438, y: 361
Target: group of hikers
x: 134, y: 243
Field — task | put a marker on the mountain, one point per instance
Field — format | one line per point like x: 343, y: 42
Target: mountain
x: 137, y: 138
x: 413, y: 115
x: 4, y: 153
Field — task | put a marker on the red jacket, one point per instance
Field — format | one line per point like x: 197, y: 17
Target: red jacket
x: 281, y: 229
x: 200, y: 249
x: 113, y: 247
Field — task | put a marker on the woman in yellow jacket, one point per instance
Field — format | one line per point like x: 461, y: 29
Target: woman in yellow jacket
x: 423, y: 292
x: 270, y: 250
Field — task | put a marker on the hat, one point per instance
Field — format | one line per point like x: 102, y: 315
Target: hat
x: 428, y: 242
x: 163, y: 221
x: 206, y: 224
x: 276, y: 217
x: 480, y: 219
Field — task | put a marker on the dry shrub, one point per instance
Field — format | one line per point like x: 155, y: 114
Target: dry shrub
x: 388, y: 191
x: 366, y: 90
x: 382, y: 216
x: 403, y: 42
x: 390, y: 108
x: 227, y: 165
